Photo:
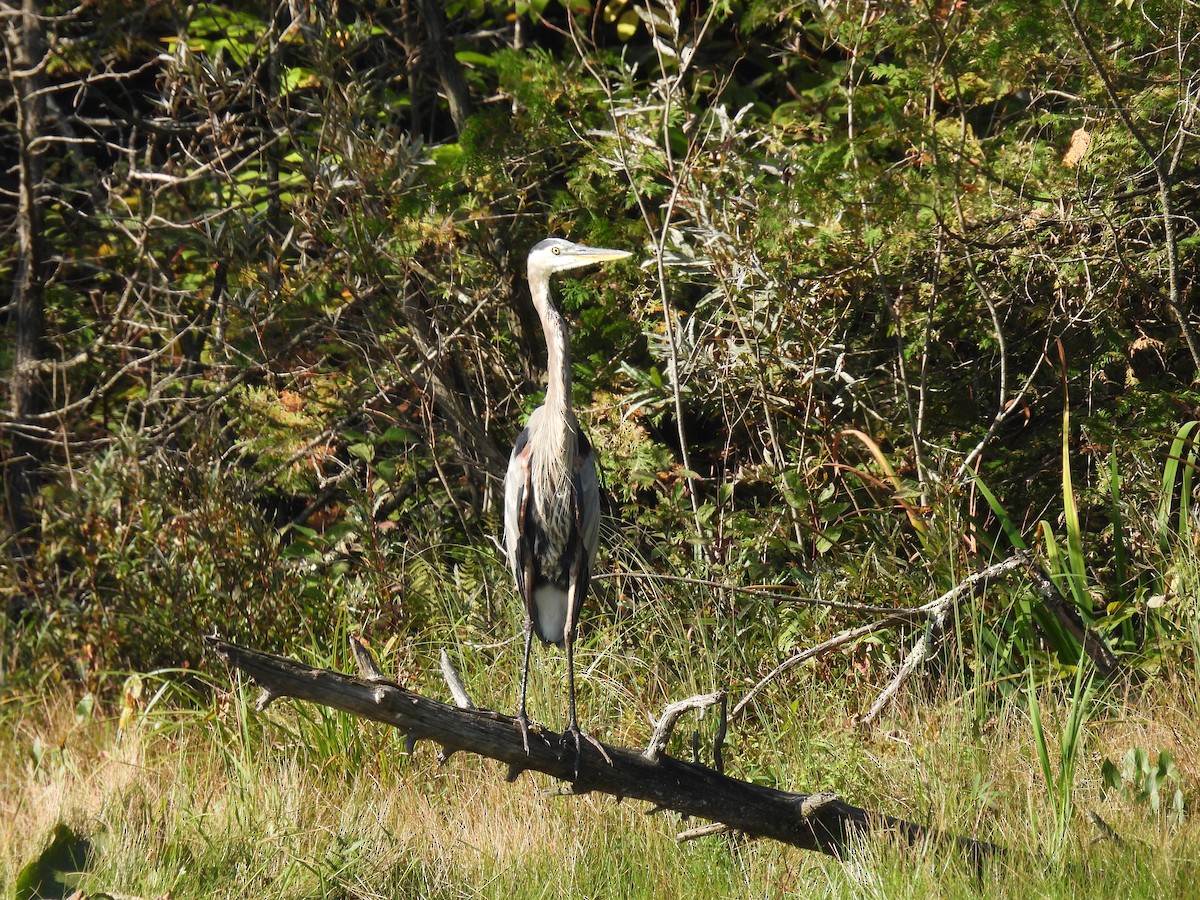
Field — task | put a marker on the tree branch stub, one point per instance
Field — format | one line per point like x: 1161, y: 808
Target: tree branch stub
x: 666, y: 724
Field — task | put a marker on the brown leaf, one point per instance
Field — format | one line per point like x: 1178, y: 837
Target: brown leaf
x: 291, y: 401
x: 1080, y: 139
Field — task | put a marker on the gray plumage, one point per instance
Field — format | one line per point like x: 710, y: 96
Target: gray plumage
x: 551, y: 491
x: 561, y: 508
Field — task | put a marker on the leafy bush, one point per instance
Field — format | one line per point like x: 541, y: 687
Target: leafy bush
x: 145, y: 553
x: 864, y: 225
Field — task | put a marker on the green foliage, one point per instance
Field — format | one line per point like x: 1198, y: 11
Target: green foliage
x: 1060, y: 779
x: 1128, y: 586
x: 287, y: 342
x: 152, y: 553
x: 1142, y: 782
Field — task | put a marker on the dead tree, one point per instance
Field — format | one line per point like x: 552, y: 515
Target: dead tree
x: 822, y: 822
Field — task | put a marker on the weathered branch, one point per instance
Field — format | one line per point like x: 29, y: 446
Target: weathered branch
x: 703, y: 831
x: 1093, y: 644
x: 820, y: 822
x: 666, y: 724
x: 939, y: 614
x: 457, y: 691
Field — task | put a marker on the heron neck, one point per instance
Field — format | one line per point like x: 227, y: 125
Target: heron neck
x: 558, y: 353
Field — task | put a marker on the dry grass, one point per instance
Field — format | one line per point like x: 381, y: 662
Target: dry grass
x: 215, y: 804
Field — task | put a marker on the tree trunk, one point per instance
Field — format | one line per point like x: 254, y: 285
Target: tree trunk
x: 25, y: 50
x: 449, y: 70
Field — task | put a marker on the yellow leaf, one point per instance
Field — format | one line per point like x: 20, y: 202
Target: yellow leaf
x: 627, y: 25
x: 612, y: 10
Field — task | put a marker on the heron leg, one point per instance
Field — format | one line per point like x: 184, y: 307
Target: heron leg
x: 522, y: 717
x: 573, y: 732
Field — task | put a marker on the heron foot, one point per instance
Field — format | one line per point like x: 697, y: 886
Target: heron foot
x: 576, y: 735
x: 523, y: 725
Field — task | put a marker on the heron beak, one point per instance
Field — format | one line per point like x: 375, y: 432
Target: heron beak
x: 600, y: 254
x: 586, y: 256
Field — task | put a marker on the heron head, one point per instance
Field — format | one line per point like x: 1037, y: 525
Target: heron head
x: 556, y: 255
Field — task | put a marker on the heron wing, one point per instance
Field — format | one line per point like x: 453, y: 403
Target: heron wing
x: 587, y: 488
x: 523, y: 535
x: 516, y: 495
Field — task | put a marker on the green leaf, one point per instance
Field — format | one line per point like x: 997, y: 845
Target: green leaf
x: 1166, y: 499
x: 1010, y: 530
x: 1076, y: 571
x: 397, y: 435
x: 1119, y: 563
x: 296, y: 77
x: 363, y: 451
x: 54, y: 872
x: 1039, y: 736
x: 1110, y: 777
x: 472, y: 58
x: 446, y: 154
x: 627, y: 25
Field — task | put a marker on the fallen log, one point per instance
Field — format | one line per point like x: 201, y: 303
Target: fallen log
x: 822, y: 822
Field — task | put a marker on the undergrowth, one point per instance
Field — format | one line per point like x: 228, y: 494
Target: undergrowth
x: 183, y: 794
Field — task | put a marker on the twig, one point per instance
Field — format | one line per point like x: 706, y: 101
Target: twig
x: 457, y: 691
x: 366, y: 662
x: 703, y: 831
x: 1107, y: 832
x: 719, y: 738
x: 1163, y: 175
x: 659, y: 218
x: 893, y: 618
x: 849, y: 636
x: 762, y: 591
x: 939, y: 613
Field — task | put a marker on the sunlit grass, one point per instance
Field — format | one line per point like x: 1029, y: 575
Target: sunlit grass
x: 224, y: 801
x: 188, y: 792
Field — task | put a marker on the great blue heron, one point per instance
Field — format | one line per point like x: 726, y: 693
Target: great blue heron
x: 551, y: 493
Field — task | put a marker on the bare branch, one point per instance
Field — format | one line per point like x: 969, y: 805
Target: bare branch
x: 939, y: 613
x: 820, y: 822
x: 457, y: 691
x: 366, y: 662
x: 849, y: 636
x: 703, y: 831
x: 666, y: 724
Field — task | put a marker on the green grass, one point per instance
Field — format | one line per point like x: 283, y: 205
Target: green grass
x: 188, y: 792
x: 216, y: 800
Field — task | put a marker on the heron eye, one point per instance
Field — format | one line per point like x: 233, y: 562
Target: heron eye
x: 555, y: 251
